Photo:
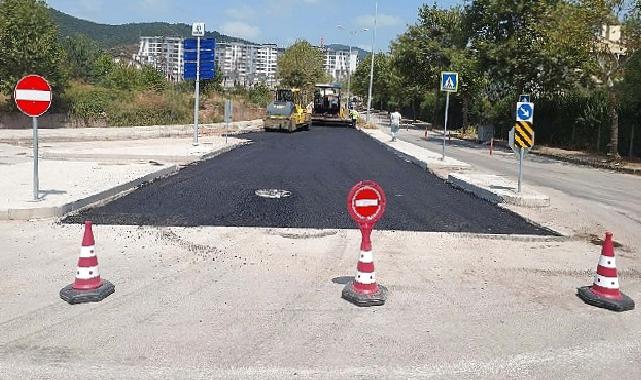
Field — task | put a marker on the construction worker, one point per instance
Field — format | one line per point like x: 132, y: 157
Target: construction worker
x: 353, y: 114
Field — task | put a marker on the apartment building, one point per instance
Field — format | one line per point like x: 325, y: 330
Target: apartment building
x: 246, y: 65
x: 237, y: 62
x: 339, y: 62
x: 163, y: 53
x: 267, y: 64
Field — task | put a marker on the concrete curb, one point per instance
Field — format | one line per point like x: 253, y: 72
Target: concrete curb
x: 124, y: 133
x: 496, y: 189
x: 432, y: 166
x: 106, y: 195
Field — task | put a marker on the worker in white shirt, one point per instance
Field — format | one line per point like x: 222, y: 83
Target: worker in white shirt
x: 395, y: 120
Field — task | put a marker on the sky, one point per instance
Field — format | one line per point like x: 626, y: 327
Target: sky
x: 265, y: 21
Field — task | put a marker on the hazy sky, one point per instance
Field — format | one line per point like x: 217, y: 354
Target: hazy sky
x: 275, y: 21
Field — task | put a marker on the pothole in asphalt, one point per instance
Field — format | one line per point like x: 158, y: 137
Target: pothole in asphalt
x: 273, y: 193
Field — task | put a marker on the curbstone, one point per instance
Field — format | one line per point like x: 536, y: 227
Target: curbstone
x: 497, y: 189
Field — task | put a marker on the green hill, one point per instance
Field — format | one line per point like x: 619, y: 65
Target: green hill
x: 111, y: 36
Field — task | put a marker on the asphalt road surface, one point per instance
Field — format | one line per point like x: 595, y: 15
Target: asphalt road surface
x: 318, y: 167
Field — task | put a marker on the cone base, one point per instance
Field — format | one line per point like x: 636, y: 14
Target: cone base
x: 365, y: 300
x: 76, y: 296
x: 589, y: 297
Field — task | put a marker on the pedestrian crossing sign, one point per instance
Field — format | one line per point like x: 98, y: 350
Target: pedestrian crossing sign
x: 449, y: 81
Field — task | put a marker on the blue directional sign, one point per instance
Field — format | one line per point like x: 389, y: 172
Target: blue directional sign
x: 207, y: 58
x: 525, y: 112
x: 449, y: 81
x: 524, y: 98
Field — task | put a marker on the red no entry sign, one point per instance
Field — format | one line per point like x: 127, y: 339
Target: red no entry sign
x: 366, y: 202
x: 33, y: 95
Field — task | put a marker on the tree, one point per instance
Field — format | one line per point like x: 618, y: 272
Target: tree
x: 29, y: 43
x: 81, y: 55
x: 438, y: 41
x: 386, y: 86
x: 301, y: 66
x: 612, y: 42
x: 531, y: 46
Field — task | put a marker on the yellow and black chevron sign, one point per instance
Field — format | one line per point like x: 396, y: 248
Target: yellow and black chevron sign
x: 523, y: 134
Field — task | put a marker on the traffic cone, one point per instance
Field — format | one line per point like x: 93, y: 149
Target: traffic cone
x: 605, y: 292
x: 88, y: 286
x: 363, y: 290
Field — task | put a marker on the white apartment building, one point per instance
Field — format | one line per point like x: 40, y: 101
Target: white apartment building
x: 339, y: 62
x: 267, y: 64
x: 237, y: 62
x: 163, y: 53
x: 246, y: 65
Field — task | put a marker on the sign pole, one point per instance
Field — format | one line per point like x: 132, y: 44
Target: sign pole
x: 521, y: 168
x: 447, y: 107
x: 227, y: 110
x: 36, y: 182
x: 197, y: 102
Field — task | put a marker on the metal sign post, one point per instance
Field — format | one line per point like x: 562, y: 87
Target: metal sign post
x: 521, y: 168
x: 449, y: 83
x: 447, y: 108
x: 36, y: 180
x: 522, y: 135
x: 229, y: 111
x: 33, y: 97
x: 197, y: 30
x: 197, y: 102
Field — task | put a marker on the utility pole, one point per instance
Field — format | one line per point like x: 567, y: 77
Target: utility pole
x: 371, y: 72
x: 352, y: 33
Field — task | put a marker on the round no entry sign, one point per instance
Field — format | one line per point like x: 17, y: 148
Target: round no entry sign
x: 33, y: 95
x: 366, y: 202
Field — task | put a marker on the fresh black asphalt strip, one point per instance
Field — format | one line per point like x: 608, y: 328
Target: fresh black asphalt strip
x: 315, y: 169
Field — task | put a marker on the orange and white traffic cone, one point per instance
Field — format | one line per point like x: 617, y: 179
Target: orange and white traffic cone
x: 88, y: 286
x: 364, y: 291
x: 605, y: 292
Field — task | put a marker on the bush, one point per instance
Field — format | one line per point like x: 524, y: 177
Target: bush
x: 90, y: 105
x: 151, y: 108
x: 260, y: 96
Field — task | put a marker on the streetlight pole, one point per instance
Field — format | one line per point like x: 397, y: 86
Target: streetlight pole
x: 352, y: 33
x: 371, y: 72
x: 349, y: 74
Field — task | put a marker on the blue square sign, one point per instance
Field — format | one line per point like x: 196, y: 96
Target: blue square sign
x: 449, y: 81
x: 525, y: 112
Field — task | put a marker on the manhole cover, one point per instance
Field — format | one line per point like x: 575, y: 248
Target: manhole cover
x: 273, y: 193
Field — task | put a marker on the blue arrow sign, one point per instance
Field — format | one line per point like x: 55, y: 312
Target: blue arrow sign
x: 524, y: 112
